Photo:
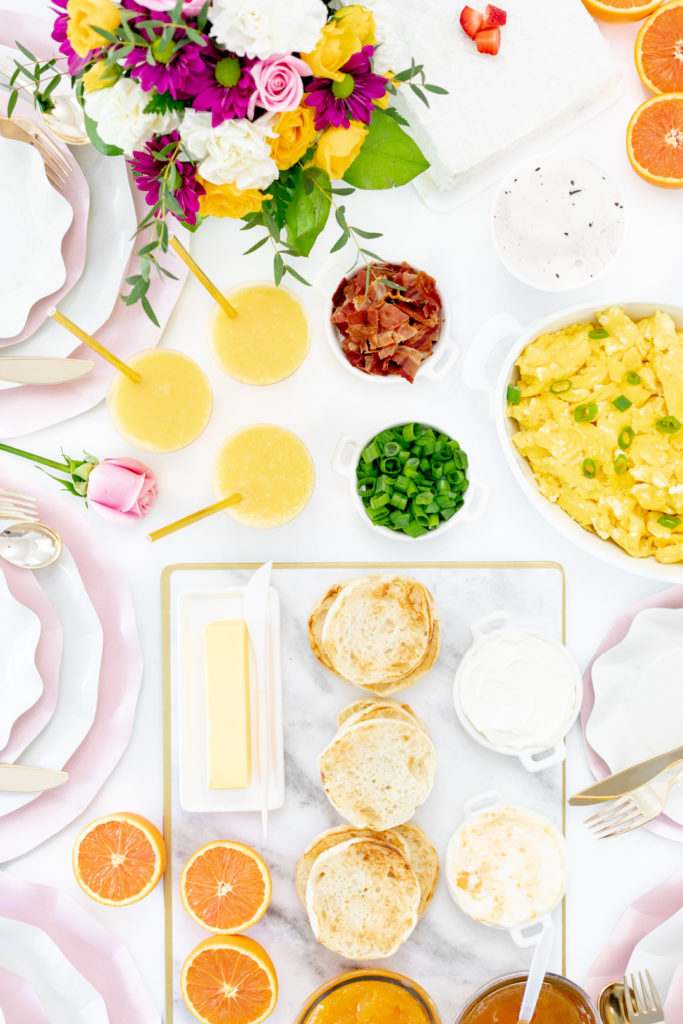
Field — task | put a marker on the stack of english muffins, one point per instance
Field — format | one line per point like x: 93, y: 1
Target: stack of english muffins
x: 380, y: 633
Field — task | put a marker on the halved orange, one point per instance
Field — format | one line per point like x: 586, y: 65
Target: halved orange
x: 654, y: 140
x: 659, y: 49
x: 225, y: 886
x: 229, y: 979
x: 621, y: 10
x: 119, y: 859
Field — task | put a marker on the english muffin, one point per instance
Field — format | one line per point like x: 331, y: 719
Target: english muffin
x: 424, y: 860
x: 333, y: 837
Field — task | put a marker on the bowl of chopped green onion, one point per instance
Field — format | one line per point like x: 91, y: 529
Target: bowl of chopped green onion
x: 409, y: 480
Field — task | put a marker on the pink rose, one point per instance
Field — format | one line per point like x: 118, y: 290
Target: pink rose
x: 121, y: 489
x: 189, y: 6
x: 278, y: 83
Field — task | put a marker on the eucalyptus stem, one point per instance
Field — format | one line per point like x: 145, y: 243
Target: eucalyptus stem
x: 34, y: 458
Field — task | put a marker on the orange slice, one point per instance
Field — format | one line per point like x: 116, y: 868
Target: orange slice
x: 659, y: 49
x: 229, y: 979
x: 621, y: 10
x: 119, y: 859
x: 225, y: 887
x: 654, y: 140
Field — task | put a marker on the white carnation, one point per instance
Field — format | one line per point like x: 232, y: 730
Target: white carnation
x: 235, y: 152
x: 120, y: 115
x: 262, y: 28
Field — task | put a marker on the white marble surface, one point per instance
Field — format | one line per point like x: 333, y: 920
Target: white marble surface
x: 321, y: 402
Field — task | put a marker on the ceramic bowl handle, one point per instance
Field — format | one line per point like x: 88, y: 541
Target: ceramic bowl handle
x: 476, y: 359
x: 346, y: 454
x: 442, y: 362
x: 527, y: 935
x: 481, y: 802
x: 475, y: 506
x: 544, y: 758
x: 487, y: 624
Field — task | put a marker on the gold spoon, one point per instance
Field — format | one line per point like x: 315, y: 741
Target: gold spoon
x: 611, y: 1004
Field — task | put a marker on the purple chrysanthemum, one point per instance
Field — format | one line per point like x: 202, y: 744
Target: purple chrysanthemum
x: 225, y: 86
x: 171, y: 72
x: 74, y: 62
x: 352, y: 99
x: 148, y: 170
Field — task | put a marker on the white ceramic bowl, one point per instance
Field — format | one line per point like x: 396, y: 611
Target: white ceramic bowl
x: 478, y: 375
x: 439, y: 364
x: 534, y: 759
x: 345, y: 461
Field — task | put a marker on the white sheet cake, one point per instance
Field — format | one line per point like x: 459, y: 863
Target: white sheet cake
x: 553, y: 62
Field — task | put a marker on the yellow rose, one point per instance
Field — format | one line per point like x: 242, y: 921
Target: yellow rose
x: 295, y: 133
x: 228, y: 200
x: 82, y: 14
x: 338, y: 42
x: 100, y: 76
x: 338, y: 148
x: 362, y: 22
x: 383, y: 101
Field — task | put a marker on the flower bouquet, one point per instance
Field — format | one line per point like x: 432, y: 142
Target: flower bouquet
x: 236, y: 108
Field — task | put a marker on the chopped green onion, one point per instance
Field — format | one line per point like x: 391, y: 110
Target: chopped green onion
x: 370, y: 452
x: 668, y: 425
x: 514, y: 395
x: 670, y: 522
x: 560, y: 387
x: 620, y: 463
x: 598, y: 332
x: 632, y: 377
x: 588, y: 468
x: 622, y: 403
x: 585, y: 412
x: 626, y: 437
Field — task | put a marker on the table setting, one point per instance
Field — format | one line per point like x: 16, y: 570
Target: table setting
x: 340, y: 514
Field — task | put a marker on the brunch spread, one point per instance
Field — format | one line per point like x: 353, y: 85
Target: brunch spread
x: 311, y: 831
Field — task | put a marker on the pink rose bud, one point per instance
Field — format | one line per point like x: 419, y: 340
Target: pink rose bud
x: 189, y: 6
x: 121, y: 489
x: 278, y: 83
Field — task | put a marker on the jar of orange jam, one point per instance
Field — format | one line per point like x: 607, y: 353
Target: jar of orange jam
x: 499, y: 1002
x: 368, y: 997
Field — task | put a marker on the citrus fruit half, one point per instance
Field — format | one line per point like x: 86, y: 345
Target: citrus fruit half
x: 229, y: 979
x: 659, y: 49
x: 654, y: 140
x: 225, y: 887
x: 119, y: 859
x: 621, y: 10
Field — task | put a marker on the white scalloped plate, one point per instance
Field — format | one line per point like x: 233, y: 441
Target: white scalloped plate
x: 20, y: 682
x: 638, y: 695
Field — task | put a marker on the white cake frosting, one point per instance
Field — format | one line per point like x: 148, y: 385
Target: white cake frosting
x: 553, y: 62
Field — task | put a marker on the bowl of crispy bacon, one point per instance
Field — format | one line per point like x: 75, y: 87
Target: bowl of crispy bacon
x: 389, y: 321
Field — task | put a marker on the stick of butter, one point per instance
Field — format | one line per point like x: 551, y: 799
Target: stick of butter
x: 226, y: 669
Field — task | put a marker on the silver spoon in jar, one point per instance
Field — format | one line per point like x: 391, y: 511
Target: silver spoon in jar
x: 30, y: 545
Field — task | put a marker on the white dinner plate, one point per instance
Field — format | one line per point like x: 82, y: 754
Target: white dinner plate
x: 660, y: 953
x: 78, y: 675
x: 64, y: 994
x: 35, y: 218
x: 20, y: 682
x: 638, y: 696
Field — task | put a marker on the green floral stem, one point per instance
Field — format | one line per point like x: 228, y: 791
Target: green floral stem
x: 34, y: 458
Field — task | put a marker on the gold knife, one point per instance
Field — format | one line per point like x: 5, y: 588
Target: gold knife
x: 21, y: 778
x: 42, y: 369
x: 628, y: 779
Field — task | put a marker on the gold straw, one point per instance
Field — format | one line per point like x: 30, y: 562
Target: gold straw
x: 95, y: 345
x: 202, y: 278
x: 203, y: 513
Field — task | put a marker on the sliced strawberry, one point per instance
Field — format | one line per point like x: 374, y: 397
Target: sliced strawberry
x: 494, y: 16
x: 471, y: 21
x: 488, y: 40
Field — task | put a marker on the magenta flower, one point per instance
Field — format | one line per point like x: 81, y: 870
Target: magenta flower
x: 225, y: 86
x: 175, y: 74
x: 149, y: 168
x: 74, y: 62
x: 352, y: 99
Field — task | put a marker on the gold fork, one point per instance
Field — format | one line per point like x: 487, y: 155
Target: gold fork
x: 14, y: 505
x: 22, y: 129
x: 637, y: 807
x: 641, y: 999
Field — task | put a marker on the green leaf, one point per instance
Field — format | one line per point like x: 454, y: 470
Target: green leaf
x: 307, y: 212
x: 342, y: 191
x: 398, y: 118
x: 12, y: 103
x: 367, y: 234
x: 297, y: 275
x: 93, y: 135
x: 278, y: 268
x: 420, y: 95
x: 253, y: 248
x: 161, y: 103
x: 26, y: 53
x: 147, y: 306
x: 436, y: 88
x: 389, y: 157
x: 340, y: 243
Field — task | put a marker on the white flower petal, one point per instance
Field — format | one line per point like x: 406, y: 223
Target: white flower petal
x: 263, y: 28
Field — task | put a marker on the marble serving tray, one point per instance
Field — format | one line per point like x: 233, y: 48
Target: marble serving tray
x: 448, y: 954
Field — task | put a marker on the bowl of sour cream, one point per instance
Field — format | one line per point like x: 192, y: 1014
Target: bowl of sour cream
x: 517, y: 692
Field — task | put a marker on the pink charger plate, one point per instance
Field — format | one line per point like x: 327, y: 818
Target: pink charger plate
x: 24, y: 587
x: 31, y: 32
x: 18, y: 1003
x: 647, y: 913
x: 119, y: 682
x: 671, y: 598
x: 99, y: 956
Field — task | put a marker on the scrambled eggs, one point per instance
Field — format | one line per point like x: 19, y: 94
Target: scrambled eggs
x: 600, y: 412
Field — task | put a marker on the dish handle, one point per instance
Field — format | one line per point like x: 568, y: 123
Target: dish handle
x: 491, y: 623
x: 526, y: 935
x: 346, y: 454
x: 475, y: 506
x: 537, y: 762
x: 442, y: 362
x: 481, y: 802
x: 476, y: 359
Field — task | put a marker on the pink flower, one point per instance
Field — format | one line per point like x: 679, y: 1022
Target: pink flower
x: 121, y: 489
x: 278, y: 83
x: 189, y: 6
